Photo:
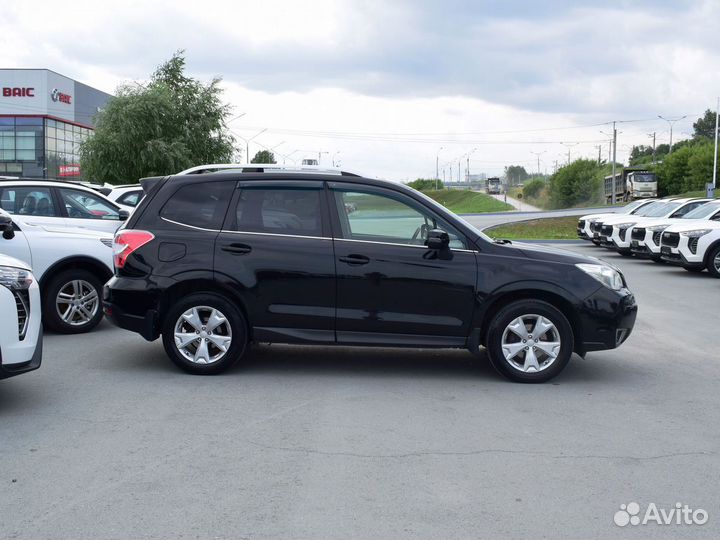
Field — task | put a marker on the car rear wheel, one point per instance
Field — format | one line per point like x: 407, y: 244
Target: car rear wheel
x: 72, y: 302
x: 713, y: 264
x: 529, y: 341
x: 204, y: 334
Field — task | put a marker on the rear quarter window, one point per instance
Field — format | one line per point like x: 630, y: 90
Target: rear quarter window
x: 201, y: 204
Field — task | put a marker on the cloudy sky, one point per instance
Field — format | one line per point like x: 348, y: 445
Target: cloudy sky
x: 381, y: 86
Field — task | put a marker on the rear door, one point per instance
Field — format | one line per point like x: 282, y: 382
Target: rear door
x: 32, y: 204
x: 275, y: 250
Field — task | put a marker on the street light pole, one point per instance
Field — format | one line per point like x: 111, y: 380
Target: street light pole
x: 671, y: 121
x: 437, y: 170
x: 715, y: 160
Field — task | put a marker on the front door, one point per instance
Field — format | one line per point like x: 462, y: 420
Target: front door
x: 276, y: 250
x: 390, y: 287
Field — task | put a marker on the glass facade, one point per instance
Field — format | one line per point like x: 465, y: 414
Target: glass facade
x: 39, y: 147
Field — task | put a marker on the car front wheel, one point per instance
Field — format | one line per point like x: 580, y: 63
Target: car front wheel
x: 713, y: 264
x: 529, y: 341
x: 72, y: 302
x: 204, y: 334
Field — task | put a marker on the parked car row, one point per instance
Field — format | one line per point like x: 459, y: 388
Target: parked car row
x: 681, y: 231
x: 221, y: 256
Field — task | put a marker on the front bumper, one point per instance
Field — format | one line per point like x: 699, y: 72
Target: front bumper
x: 607, y: 319
x: 11, y: 370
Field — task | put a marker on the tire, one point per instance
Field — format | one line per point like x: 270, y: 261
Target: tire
x: 191, y: 356
x: 713, y: 262
x: 72, y: 302
x: 501, y: 338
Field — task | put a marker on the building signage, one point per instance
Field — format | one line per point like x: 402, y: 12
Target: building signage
x: 69, y: 170
x: 18, y: 91
x: 57, y: 95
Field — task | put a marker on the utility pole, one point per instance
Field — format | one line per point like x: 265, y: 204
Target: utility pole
x: 459, y: 161
x: 538, y: 154
x: 614, y: 159
x: 653, y: 138
x: 670, y: 122
x: 569, y: 146
x: 437, y: 169
x: 715, y: 160
x: 599, y: 147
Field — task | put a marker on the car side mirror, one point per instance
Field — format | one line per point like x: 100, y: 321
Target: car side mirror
x: 437, y: 239
x: 123, y: 214
x: 6, y: 226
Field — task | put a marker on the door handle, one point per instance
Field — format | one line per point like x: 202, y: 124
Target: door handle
x: 237, y: 249
x: 355, y: 259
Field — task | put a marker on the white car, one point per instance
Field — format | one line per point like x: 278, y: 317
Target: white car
x: 695, y: 246
x: 71, y: 266
x: 127, y: 196
x: 585, y: 223
x: 60, y: 204
x: 614, y: 232
x: 645, y: 239
x: 20, y: 327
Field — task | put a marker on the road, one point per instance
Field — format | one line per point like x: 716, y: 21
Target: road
x: 519, y: 205
x: 109, y: 440
x: 488, y: 220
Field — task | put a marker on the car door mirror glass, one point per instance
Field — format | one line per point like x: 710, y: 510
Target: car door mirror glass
x: 6, y: 225
x: 123, y: 215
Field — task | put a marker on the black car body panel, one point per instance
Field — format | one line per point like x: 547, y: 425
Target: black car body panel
x: 323, y: 287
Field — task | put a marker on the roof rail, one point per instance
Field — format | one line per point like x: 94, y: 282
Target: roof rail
x: 263, y: 167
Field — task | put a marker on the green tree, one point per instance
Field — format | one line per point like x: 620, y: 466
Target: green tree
x: 673, y: 171
x: 700, y: 167
x: 705, y: 126
x: 426, y: 184
x: 533, y: 188
x: 580, y: 182
x: 171, y: 123
x: 264, y: 156
x: 515, y: 174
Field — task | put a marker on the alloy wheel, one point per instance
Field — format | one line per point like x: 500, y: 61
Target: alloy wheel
x: 77, y: 302
x: 202, y: 335
x: 531, y: 343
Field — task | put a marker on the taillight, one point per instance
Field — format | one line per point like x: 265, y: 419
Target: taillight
x: 126, y: 242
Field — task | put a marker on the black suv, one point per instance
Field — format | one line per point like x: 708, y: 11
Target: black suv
x: 214, y: 261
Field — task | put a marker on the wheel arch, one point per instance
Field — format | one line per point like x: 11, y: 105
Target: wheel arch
x: 559, y: 299
x: 710, y: 248
x: 201, y: 285
x: 90, y: 264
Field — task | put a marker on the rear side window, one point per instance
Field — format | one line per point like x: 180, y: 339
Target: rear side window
x: 199, y: 205
x: 279, y: 211
x: 28, y: 201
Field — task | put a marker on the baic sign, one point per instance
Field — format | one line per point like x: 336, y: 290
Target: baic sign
x: 69, y: 170
x: 18, y: 91
x: 57, y: 95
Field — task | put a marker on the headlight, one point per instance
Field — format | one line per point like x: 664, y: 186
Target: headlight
x: 656, y: 228
x: 625, y: 225
x: 15, y: 278
x: 609, y: 277
x: 695, y: 233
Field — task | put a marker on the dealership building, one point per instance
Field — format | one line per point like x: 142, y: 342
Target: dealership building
x: 44, y: 116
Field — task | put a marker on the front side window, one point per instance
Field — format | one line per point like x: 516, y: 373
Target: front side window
x: 279, y: 211
x: 380, y: 218
x: 687, y: 208
x: 28, y: 201
x: 81, y: 204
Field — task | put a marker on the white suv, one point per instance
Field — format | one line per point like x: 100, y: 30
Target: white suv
x: 60, y: 204
x: 585, y: 223
x: 645, y: 238
x: 71, y: 265
x: 126, y: 196
x: 20, y: 328
x: 615, y: 231
x: 695, y: 246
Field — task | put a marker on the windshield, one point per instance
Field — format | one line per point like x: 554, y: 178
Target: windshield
x: 630, y: 207
x: 645, y: 210
x: 660, y: 211
x: 702, y: 212
x: 647, y: 177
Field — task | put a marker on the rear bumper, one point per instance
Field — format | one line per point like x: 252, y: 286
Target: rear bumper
x: 131, y: 305
x: 607, y: 319
x: 10, y: 370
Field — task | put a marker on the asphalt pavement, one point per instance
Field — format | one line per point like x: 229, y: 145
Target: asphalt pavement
x: 488, y: 220
x: 109, y: 440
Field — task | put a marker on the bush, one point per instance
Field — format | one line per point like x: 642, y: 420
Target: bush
x: 577, y: 183
x: 426, y: 184
x: 533, y: 188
